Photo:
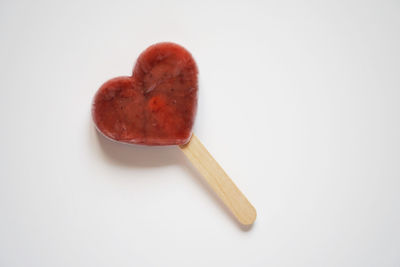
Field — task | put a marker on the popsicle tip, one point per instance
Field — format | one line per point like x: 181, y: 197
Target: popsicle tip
x: 249, y: 218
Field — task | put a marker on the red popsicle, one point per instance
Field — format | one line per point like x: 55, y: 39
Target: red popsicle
x: 154, y: 106
x: 157, y: 106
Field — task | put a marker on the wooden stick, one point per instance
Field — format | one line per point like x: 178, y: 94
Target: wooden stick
x: 219, y: 181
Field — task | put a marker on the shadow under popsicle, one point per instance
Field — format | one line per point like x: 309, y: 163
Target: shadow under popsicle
x: 149, y: 157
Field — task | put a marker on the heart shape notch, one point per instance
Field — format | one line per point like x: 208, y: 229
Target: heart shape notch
x: 156, y: 105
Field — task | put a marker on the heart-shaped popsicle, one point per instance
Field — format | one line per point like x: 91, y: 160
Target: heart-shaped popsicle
x: 157, y: 106
x: 154, y: 106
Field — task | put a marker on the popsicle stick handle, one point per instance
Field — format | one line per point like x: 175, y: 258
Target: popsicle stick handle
x: 219, y: 181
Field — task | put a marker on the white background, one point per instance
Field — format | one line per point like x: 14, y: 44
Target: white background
x: 299, y: 102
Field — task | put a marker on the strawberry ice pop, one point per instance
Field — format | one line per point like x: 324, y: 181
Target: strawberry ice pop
x: 157, y: 106
x: 154, y: 106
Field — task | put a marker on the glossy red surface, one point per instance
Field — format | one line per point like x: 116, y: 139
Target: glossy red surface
x: 156, y: 105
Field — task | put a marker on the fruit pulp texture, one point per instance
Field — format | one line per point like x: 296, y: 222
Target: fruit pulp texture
x: 154, y: 106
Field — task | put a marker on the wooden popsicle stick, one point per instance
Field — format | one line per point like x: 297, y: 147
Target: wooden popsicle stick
x: 219, y: 181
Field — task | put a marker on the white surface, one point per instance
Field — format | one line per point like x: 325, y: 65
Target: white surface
x: 299, y: 102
